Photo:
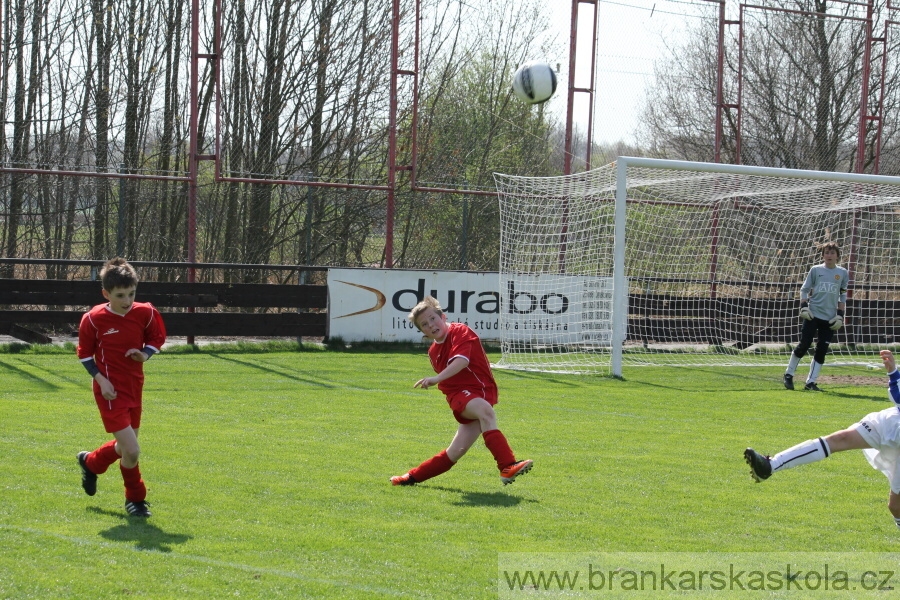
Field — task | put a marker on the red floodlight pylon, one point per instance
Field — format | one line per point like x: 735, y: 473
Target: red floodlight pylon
x: 572, y: 89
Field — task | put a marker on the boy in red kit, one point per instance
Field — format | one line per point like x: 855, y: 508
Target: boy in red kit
x: 114, y: 340
x: 464, y: 375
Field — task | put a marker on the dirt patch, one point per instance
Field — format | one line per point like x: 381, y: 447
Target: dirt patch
x: 874, y: 379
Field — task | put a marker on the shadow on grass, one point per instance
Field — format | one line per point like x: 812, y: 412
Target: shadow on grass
x: 470, y: 498
x: 144, y: 534
x: 280, y: 373
x: 48, y: 386
x: 569, y: 380
x: 831, y: 393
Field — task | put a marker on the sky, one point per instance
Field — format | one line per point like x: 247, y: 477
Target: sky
x: 631, y: 37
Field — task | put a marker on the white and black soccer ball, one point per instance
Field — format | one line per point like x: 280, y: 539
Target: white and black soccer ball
x: 534, y: 82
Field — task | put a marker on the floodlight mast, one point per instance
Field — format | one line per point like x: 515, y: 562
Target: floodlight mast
x: 572, y: 90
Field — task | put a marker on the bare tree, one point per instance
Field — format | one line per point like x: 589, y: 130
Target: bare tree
x: 102, y: 13
x: 305, y: 97
x: 801, y: 90
x: 27, y: 84
x: 172, y: 135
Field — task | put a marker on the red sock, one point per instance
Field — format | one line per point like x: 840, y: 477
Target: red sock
x: 499, y: 447
x: 100, y: 459
x: 434, y: 466
x: 135, y: 490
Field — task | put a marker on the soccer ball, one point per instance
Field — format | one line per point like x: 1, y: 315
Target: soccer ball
x: 534, y: 82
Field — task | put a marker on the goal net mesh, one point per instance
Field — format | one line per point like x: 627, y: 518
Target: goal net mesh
x: 714, y: 263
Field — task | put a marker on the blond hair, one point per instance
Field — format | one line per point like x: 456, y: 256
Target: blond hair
x: 421, y: 307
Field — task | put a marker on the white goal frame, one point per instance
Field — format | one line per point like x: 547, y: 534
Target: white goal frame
x: 610, y: 185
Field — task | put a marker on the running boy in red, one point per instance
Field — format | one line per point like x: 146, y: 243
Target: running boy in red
x: 464, y: 375
x: 114, y: 340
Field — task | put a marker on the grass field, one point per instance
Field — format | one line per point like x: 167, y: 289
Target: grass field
x: 268, y: 476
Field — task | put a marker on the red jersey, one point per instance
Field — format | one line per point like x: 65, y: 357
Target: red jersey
x: 463, y: 342
x: 105, y: 336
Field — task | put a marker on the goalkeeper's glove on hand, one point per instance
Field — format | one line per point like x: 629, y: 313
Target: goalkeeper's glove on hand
x: 805, y: 314
x: 837, y: 322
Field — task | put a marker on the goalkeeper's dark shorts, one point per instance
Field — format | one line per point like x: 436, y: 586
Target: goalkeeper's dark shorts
x: 819, y: 329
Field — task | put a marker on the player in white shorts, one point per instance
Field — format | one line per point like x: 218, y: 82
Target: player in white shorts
x: 877, y: 435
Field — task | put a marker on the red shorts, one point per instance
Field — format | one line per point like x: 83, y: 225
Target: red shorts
x: 118, y: 419
x: 459, y: 400
x: 119, y: 413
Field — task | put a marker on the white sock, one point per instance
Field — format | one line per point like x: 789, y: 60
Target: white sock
x: 897, y: 521
x: 801, y: 454
x: 814, y: 369
x: 792, y: 365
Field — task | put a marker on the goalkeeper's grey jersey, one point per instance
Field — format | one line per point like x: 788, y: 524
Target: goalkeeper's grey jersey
x: 824, y: 288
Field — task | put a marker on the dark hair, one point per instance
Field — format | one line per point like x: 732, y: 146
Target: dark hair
x: 117, y: 273
x: 830, y: 246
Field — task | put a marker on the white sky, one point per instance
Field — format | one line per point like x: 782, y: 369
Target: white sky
x: 630, y: 37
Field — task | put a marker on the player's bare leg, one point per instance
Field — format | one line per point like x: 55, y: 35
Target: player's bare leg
x: 127, y: 446
x: 510, y: 468
x: 894, y: 506
x: 846, y: 439
x: 481, y: 410
x: 135, y: 490
x: 466, y: 436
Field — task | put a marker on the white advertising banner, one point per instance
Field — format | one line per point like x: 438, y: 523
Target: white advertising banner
x: 372, y: 304
x: 557, y: 309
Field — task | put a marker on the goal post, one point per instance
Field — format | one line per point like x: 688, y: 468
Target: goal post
x: 659, y: 262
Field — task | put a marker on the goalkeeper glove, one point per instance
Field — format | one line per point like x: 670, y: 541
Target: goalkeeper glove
x: 805, y: 314
x: 837, y: 322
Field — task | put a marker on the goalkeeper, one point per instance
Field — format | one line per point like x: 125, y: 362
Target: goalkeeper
x: 877, y: 435
x: 823, y: 300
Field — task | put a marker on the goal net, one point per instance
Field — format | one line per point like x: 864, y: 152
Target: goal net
x: 655, y: 262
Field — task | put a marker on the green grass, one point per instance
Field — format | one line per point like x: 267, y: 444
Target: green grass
x: 268, y: 475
